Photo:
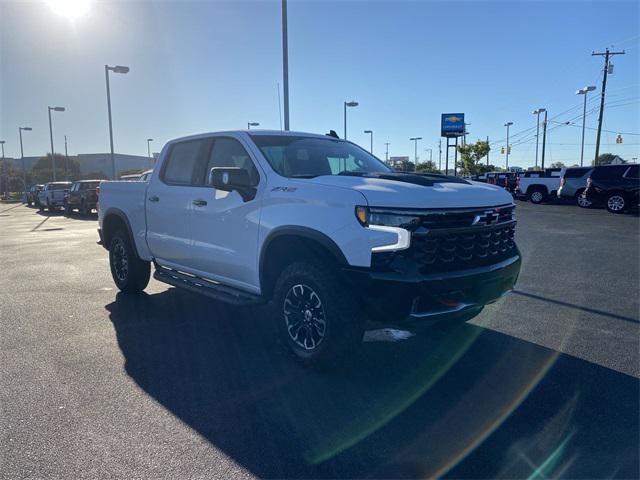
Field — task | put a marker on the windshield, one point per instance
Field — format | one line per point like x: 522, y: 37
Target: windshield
x: 307, y: 157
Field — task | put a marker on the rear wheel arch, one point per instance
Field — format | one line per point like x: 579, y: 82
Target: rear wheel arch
x: 115, y: 220
x: 290, y: 244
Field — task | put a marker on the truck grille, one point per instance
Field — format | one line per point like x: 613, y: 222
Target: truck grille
x: 463, y: 249
x: 456, y: 240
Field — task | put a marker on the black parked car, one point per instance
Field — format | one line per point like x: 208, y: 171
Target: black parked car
x: 616, y: 186
x: 82, y: 196
x: 32, y: 195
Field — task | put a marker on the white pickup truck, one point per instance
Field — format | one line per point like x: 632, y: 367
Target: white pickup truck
x: 538, y: 186
x: 52, y: 195
x: 318, y: 227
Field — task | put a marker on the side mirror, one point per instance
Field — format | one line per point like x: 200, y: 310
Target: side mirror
x: 231, y: 179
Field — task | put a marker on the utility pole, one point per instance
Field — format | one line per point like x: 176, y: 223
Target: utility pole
x: 386, y: 153
x: 440, y: 155
x: 488, y: 150
x: 508, y: 124
x: 607, y: 55
x: 66, y: 156
x: 285, y: 65
x: 544, y: 139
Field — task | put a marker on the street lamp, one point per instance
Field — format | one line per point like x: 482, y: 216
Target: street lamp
x: 370, y: 132
x: 508, y: 124
x: 584, y: 91
x: 252, y: 124
x: 2, y: 166
x: 430, y: 153
x: 415, y: 145
x: 347, y: 104
x: 24, y: 170
x: 537, y: 112
x: 149, y: 140
x: 116, y: 69
x: 386, y: 153
x: 53, y: 159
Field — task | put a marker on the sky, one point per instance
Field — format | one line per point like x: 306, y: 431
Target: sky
x: 209, y: 65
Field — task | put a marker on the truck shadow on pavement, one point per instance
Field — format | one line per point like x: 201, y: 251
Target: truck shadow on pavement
x: 467, y: 402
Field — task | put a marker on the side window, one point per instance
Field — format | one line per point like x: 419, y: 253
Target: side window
x: 633, y: 172
x: 228, y: 152
x: 180, y: 165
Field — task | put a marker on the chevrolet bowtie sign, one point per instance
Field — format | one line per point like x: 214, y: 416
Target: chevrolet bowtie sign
x: 452, y: 124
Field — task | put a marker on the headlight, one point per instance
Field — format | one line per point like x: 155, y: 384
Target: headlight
x: 389, y: 218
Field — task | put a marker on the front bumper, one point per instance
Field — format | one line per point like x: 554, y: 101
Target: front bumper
x: 438, y: 296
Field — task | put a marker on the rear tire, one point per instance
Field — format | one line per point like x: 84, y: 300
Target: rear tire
x: 537, y: 195
x: 129, y: 272
x: 616, y: 203
x: 582, y: 201
x: 316, y: 314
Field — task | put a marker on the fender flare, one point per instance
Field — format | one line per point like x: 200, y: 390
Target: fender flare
x: 123, y: 216
x: 302, y: 232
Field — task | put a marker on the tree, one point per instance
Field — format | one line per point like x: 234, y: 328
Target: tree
x: 557, y: 165
x: 470, y: 156
x: 41, y: 172
x: 427, y: 167
x: 606, y: 159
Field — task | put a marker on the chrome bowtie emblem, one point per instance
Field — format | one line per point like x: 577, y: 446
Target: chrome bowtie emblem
x: 225, y: 178
x: 487, y: 218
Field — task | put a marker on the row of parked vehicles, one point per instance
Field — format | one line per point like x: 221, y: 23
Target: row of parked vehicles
x: 614, y: 186
x: 81, y: 195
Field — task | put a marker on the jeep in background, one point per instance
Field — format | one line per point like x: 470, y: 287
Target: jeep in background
x: 572, y: 184
x: 82, y: 196
x: 316, y: 226
x: 32, y: 195
x: 51, y: 196
x: 616, y: 186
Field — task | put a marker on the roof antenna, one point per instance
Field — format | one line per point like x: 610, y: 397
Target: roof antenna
x: 332, y: 133
x: 279, y: 107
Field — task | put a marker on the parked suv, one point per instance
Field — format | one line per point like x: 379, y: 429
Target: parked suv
x: 82, y: 196
x: 538, y: 186
x: 51, y: 196
x: 616, y: 186
x: 572, y: 184
x: 32, y: 195
x: 316, y: 226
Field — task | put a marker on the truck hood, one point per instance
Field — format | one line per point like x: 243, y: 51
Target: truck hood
x: 418, y: 191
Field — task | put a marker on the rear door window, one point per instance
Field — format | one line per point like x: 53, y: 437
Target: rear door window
x: 575, y: 172
x: 179, y: 168
x: 633, y: 172
x: 609, y: 173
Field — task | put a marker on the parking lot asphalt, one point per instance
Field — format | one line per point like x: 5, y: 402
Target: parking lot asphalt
x: 94, y: 383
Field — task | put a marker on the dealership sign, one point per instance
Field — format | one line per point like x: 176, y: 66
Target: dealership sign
x: 452, y: 124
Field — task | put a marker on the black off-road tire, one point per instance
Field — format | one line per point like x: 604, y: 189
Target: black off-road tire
x: 343, y: 319
x: 129, y: 272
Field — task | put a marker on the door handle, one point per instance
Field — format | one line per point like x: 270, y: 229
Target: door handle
x: 154, y: 198
x: 199, y: 203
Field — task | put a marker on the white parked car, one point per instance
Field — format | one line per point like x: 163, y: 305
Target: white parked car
x: 315, y: 225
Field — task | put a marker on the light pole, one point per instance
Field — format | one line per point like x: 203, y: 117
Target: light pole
x: 415, y: 154
x: 544, y: 137
x: 116, y: 69
x: 370, y: 132
x: 66, y: 156
x: 537, y: 112
x: 24, y: 170
x: 347, y: 104
x: 2, y: 167
x: 252, y: 124
x: 386, y: 153
x: 285, y: 65
x: 430, y: 153
x: 584, y: 91
x: 53, y: 159
x: 508, y: 124
x: 149, y: 140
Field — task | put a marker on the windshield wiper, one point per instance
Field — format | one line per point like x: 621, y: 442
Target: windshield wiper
x: 307, y: 175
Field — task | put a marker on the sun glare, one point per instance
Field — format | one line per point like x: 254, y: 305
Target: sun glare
x: 71, y: 9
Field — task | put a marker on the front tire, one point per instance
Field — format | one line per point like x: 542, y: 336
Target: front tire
x: 317, y: 316
x: 129, y: 272
x: 616, y: 203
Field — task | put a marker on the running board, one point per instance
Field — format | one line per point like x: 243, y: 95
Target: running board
x: 208, y: 288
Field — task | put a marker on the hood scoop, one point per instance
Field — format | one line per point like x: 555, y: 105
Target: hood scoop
x: 422, y: 179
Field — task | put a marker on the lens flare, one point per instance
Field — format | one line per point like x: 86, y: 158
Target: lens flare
x: 71, y: 9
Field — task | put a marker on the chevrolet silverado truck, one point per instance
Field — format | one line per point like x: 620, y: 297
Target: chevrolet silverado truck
x: 316, y: 227
x: 52, y: 195
x: 81, y: 196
